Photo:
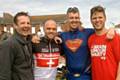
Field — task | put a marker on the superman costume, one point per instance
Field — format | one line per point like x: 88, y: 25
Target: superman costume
x: 77, y: 54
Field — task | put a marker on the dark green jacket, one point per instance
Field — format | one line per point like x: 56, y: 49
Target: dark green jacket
x: 15, y: 59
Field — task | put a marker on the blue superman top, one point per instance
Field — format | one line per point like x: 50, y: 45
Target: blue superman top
x: 76, y: 50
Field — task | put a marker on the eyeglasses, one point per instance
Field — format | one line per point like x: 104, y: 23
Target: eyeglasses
x: 72, y: 9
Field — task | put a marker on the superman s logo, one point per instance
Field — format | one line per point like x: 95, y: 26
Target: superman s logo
x: 73, y: 45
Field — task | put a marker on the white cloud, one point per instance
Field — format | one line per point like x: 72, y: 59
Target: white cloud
x: 45, y: 7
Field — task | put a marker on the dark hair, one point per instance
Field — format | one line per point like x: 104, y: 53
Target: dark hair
x: 19, y: 14
x: 97, y: 9
x: 73, y: 10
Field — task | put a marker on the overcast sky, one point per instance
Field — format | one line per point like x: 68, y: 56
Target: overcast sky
x: 48, y: 7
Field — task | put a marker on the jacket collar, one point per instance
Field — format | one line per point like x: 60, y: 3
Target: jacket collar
x: 74, y: 31
x: 46, y: 39
x: 21, y: 39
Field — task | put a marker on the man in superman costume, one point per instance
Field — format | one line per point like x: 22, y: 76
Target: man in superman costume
x: 75, y: 46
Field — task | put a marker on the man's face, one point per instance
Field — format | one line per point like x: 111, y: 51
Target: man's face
x: 23, y: 25
x: 50, y: 29
x: 73, y: 19
x: 98, y: 21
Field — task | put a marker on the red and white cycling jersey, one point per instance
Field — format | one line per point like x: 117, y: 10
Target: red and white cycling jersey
x: 46, y: 59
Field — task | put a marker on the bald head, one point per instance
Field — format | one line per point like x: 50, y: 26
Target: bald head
x: 50, y: 23
x: 50, y: 28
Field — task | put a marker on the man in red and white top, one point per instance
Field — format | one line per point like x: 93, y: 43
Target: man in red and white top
x: 105, y: 54
x: 46, y: 53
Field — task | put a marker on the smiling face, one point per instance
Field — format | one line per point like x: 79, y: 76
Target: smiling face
x: 98, y: 18
x: 98, y: 21
x: 23, y: 25
x: 74, y: 20
x: 50, y: 29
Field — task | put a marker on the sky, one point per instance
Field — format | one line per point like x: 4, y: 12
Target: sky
x: 49, y: 7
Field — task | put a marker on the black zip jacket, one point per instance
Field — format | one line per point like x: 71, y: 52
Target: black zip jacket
x: 46, y: 46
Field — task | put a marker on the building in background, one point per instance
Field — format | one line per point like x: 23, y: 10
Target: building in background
x: 37, y: 21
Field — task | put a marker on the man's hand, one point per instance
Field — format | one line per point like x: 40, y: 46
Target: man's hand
x: 110, y: 33
x: 58, y: 40
x: 35, y: 39
x: 62, y: 62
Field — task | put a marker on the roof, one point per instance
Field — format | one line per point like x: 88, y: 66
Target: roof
x: 41, y: 19
x: 59, y: 18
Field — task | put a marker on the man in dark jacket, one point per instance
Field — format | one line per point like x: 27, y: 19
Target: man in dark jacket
x: 16, y: 52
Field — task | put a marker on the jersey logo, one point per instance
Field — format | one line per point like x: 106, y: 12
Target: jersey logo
x: 99, y: 51
x: 46, y: 60
x: 73, y: 45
